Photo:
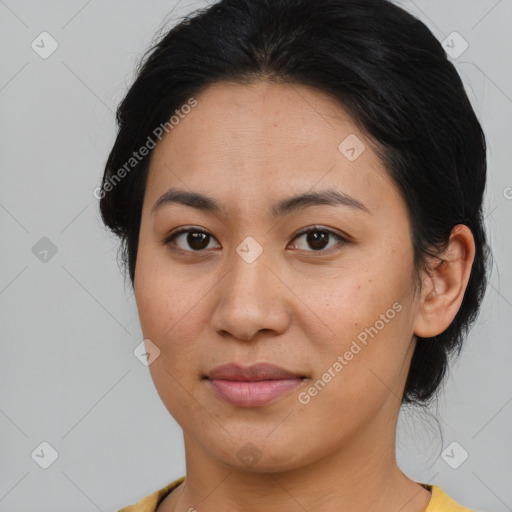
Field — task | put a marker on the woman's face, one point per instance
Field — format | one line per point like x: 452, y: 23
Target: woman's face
x: 335, y: 306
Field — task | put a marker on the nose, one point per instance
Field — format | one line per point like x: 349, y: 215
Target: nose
x: 252, y: 298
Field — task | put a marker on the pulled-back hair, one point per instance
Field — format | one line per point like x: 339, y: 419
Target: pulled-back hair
x: 390, y: 73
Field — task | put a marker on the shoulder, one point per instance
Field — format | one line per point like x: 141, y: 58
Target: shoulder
x: 151, y: 502
x: 442, y: 502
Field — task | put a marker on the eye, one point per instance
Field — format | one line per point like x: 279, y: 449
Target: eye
x: 197, y: 239
x: 318, y: 238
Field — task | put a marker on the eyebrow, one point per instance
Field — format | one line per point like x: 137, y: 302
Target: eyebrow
x: 330, y: 197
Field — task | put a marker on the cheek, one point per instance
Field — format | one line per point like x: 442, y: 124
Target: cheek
x: 167, y: 302
x: 361, y: 374
x: 365, y: 331
x: 173, y: 313
x: 352, y: 298
x: 171, y: 316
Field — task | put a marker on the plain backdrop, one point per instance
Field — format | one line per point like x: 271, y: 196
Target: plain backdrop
x: 69, y: 325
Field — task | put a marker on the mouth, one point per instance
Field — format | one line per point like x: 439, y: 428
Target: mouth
x: 253, y: 386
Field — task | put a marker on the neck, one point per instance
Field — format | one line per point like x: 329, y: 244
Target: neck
x: 362, y: 476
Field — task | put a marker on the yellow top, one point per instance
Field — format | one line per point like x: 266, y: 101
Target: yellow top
x: 440, y: 501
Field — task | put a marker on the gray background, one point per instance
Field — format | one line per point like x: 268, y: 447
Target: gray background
x: 69, y: 324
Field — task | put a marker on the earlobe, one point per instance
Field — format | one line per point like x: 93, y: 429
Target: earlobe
x: 444, y: 284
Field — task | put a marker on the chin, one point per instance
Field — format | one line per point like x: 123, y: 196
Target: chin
x: 259, y: 453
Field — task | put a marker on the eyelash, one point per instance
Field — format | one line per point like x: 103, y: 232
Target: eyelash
x: 313, y: 229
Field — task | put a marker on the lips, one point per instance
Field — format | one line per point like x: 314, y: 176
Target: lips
x: 254, y: 386
x: 254, y: 373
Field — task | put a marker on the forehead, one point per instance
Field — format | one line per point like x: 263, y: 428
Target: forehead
x: 265, y: 140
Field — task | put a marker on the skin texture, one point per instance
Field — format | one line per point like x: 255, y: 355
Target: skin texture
x: 249, y: 146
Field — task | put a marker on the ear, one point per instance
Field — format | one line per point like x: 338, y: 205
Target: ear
x: 444, y: 284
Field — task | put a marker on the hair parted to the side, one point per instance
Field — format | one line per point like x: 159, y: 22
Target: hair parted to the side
x: 390, y: 73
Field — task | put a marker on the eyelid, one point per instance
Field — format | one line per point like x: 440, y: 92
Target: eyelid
x: 184, y: 229
x: 343, y: 239
x: 167, y: 239
x: 317, y: 227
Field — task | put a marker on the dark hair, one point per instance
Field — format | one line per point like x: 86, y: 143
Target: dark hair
x: 390, y: 73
